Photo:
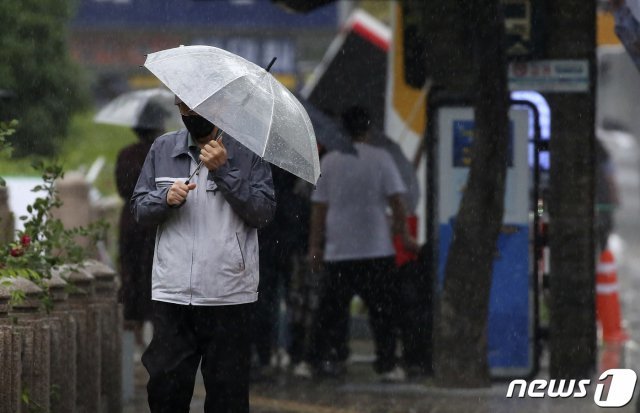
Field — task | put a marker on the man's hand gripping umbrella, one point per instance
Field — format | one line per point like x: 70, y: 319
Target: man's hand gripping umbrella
x: 218, y: 140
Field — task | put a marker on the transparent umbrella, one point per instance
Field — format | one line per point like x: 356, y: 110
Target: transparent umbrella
x: 245, y: 101
x: 148, y: 108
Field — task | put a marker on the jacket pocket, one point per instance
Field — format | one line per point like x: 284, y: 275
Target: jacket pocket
x: 240, y: 245
x: 159, y: 252
x: 233, y: 255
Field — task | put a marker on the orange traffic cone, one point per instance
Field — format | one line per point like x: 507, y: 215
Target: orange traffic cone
x: 607, y: 301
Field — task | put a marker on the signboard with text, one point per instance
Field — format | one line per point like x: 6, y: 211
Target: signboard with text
x: 549, y: 75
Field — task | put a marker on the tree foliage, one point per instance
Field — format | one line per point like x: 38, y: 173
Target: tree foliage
x: 47, y: 86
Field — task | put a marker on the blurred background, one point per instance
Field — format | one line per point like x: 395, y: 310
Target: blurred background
x: 64, y: 60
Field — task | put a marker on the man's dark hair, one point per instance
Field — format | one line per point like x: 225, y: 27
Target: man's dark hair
x: 356, y: 121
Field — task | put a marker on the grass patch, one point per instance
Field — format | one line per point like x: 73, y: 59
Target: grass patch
x: 86, y: 142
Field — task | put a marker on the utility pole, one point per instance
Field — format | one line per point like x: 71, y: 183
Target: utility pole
x: 571, y: 35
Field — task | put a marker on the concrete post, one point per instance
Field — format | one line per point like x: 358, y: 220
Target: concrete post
x: 5, y: 297
x: 111, y: 329
x: 10, y: 351
x: 73, y: 191
x: 63, y: 347
x: 33, y: 326
x: 88, y: 360
x: 108, y: 210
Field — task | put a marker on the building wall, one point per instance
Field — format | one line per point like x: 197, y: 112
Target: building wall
x: 112, y: 37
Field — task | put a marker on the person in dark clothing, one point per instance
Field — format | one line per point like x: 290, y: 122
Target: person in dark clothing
x: 136, y: 241
x: 281, y: 242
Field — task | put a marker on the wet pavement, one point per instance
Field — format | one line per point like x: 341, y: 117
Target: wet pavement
x: 360, y: 391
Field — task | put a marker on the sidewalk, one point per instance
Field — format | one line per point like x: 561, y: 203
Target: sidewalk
x: 361, y: 392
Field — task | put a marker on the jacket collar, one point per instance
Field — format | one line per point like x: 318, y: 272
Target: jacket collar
x: 181, y: 146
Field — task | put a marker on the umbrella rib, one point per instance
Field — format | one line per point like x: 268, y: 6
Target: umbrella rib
x: 219, y: 89
x: 273, y: 105
x: 303, y: 115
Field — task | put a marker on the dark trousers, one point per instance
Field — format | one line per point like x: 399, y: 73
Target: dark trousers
x: 373, y: 281
x: 274, y: 275
x: 302, y: 306
x: 185, y: 336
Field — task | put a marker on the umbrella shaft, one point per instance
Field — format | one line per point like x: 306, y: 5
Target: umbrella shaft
x: 194, y: 172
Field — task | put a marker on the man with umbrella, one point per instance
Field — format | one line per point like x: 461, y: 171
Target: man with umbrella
x: 205, y: 268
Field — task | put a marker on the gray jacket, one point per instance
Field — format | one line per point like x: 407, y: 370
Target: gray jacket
x: 206, y: 250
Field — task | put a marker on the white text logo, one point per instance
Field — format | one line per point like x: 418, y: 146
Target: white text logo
x: 621, y: 387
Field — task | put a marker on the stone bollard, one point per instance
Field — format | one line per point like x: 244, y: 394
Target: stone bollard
x: 107, y: 209
x: 63, y: 347
x: 33, y: 326
x: 10, y: 357
x: 88, y: 361
x: 111, y: 328
x: 73, y: 191
x: 6, y: 217
x: 5, y: 298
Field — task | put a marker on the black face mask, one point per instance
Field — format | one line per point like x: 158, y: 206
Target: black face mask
x: 197, y: 126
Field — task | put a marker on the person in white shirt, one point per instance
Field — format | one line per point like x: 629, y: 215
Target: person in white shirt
x: 351, y: 237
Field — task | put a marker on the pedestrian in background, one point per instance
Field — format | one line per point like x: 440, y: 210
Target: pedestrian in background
x: 282, y: 242
x: 136, y: 241
x: 205, y: 269
x: 351, y: 236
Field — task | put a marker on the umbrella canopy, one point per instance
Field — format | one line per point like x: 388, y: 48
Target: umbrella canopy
x: 329, y: 133
x: 332, y: 136
x: 245, y: 101
x: 148, y: 109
